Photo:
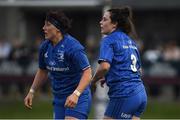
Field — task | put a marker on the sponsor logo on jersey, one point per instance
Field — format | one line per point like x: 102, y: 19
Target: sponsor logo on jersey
x: 57, y: 69
x: 125, y: 115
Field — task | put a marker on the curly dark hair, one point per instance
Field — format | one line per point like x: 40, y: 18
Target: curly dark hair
x: 123, y: 17
x: 61, y: 18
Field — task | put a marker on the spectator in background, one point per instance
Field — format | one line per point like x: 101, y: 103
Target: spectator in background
x: 34, y: 47
x: 5, y: 48
x: 171, y: 51
x: 151, y: 59
x: 171, y: 55
x: 20, y: 55
x: 63, y: 58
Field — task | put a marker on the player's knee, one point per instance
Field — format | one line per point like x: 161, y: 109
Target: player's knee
x: 135, y: 118
x: 70, y: 118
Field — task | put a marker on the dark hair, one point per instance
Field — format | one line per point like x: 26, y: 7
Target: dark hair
x: 123, y: 17
x: 64, y: 23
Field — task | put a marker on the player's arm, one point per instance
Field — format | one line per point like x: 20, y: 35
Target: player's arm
x: 105, y: 59
x: 40, y: 77
x: 80, y: 61
x: 101, y: 71
x: 85, y: 80
x: 42, y: 73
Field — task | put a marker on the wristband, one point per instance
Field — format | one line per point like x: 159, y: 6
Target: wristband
x: 76, y: 92
x: 32, y: 91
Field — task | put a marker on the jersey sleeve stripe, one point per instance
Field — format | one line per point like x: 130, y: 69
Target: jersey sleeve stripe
x: 86, y: 67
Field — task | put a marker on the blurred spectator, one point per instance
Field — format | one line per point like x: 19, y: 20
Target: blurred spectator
x: 21, y: 57
x: 153, y: 55
x: 32, y: 68
x: 171, y: 51
x: 21, y: 54
x: 150, y: 59
x: 5, y: 48
x: 92, y: 49
x: 171, y: 55
x: 35, y: 46
x: 162, y: 61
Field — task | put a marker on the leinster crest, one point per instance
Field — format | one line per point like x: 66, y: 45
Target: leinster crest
x: 60, y: 55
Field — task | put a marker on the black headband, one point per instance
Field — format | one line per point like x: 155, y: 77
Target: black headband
x: 55, y: 23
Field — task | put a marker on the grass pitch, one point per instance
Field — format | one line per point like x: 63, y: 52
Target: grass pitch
x: 14, y: 109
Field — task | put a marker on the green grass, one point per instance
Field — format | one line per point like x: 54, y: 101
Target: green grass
x: 162, y: 110
x: 43, y: 110
x: 17, y: 110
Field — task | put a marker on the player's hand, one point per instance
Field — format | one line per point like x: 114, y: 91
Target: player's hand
x: 28, y: 100
x: 71, y: 101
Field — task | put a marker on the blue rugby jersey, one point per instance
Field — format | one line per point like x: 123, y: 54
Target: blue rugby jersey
x: 123, y: 77
x: 65, y: 63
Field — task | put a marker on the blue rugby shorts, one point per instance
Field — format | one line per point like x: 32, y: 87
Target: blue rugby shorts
x: 126, y: 108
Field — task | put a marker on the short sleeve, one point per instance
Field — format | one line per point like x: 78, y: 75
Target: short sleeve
x: 80, y: 60
x: 42, y: 50
x: 106, y: 51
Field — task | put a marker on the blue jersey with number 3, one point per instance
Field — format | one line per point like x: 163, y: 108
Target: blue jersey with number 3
x: 121, y: 52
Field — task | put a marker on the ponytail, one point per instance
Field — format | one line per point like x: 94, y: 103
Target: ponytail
x: 123, y: 17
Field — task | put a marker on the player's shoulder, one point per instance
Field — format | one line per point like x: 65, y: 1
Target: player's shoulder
x: 109, y: 39
x: 124, y: 37
x: 114, y: 35
x: 73, y: 43
x: 44, y: 44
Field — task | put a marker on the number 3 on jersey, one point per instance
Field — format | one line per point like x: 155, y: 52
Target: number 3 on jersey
x: 134, y: 61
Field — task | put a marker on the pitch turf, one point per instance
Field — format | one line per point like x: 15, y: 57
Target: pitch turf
x: 43, y: 109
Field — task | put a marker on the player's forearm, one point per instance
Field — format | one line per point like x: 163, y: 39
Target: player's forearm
x: 100, y: 73
x: 85, y: 80
x: 40, y: 77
